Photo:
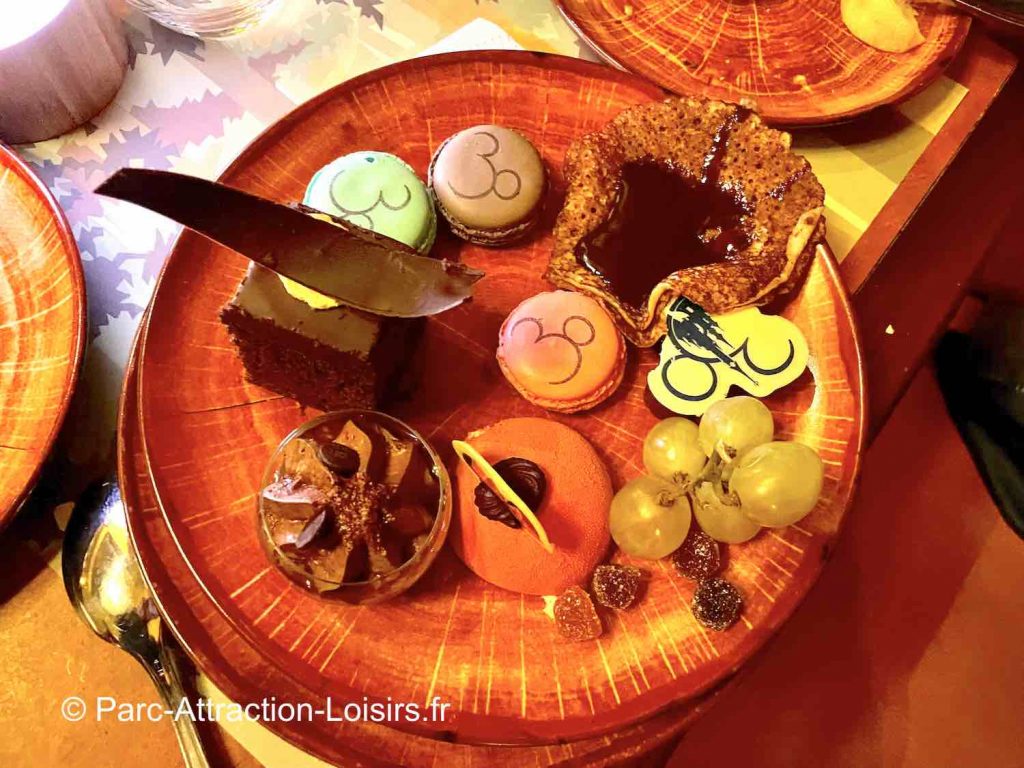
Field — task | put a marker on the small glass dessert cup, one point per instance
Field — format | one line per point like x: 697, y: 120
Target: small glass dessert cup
x: 354, y: 505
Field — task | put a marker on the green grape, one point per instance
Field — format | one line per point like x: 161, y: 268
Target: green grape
x: 778, y: 483
x: 671, y: 451
x: 719, y: 519
x: 732, y: 425
x: 649, y: 518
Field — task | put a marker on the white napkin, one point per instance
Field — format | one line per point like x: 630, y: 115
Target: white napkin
x: 478, y: 35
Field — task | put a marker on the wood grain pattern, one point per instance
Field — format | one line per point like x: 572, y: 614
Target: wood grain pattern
x: 246, y: 676
x: 491, y: 653
x: 794, y: 59
x: 42, y: 326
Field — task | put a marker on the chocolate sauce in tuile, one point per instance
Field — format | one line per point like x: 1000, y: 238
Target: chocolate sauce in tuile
x: 664, y: 220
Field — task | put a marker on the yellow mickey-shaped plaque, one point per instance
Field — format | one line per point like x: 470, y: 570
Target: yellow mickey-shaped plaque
x: 704, y: 355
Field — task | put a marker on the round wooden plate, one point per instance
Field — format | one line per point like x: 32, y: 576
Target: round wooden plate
x: 42, y: 326
x: 494, y: 655
x: 795, y: 59
x: 245, y: 676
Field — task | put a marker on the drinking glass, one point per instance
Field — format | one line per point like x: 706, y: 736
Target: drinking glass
x: 205, y: 18
x: 381, y: 586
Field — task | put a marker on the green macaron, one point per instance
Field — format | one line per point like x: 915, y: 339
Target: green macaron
x: 377, y: 191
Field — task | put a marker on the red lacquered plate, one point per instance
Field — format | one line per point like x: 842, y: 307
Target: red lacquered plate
x: 795, y: 59
x: 494, y: 655
x: 246, y: 676
x: 42, y: 326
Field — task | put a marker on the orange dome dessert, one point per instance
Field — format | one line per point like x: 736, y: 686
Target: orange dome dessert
x: 573, y: 510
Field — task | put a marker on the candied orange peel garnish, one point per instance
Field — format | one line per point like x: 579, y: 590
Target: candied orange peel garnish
x: 487, y: 475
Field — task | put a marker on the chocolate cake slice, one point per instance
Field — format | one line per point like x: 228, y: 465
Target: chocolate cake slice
x: 372, y: 293
x: 327, y: 358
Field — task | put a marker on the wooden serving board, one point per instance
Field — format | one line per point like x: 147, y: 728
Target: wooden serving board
x: 493, y: 654
x: 795, y: 59
x: 244, y: 675
x: 42, y: 327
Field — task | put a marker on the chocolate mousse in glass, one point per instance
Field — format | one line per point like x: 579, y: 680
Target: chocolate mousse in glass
x: 354, y: 505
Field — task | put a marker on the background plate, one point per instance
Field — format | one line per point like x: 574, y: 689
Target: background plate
x: 42, y: 327
x: 794, y: 58
x: 493, y: 654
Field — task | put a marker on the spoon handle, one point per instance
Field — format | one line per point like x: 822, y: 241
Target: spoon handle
x: 166, y: 673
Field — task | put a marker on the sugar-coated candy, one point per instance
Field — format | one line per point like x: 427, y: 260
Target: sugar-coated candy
x: 575, y: 615
x: 616, y: 586
x: 699, y: 557
x: 717, y: 604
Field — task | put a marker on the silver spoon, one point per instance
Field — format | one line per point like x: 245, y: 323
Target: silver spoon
x: 105, y: 584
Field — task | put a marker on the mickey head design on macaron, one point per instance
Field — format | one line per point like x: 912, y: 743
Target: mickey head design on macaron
x: 489, y: 183
x: 562, y: 351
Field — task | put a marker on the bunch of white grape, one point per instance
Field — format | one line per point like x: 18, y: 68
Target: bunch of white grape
x: 728, y: 472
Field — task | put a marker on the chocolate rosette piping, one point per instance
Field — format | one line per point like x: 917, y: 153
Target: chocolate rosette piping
x: 525, y: 478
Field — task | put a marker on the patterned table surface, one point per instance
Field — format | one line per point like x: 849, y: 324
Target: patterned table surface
x: 191, y: 106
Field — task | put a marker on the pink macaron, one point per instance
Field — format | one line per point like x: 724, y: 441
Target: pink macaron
x: 562, y: 351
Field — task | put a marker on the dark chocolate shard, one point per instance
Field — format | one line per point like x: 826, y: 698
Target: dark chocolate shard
x: 284, y: 532
x: 337, y: 258
x: 330, y: 567
x: 311, y: 530
x: 289, y: 499
x: 409, y: 520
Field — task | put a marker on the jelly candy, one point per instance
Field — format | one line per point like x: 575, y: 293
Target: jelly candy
x: 575, y: 615
x: 698, y: 558
x: 717, y: 604
x: 616, y: 586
